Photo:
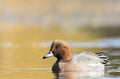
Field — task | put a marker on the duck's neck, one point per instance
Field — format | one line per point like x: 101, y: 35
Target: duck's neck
x: 66, y: 57
x: 64, y: 60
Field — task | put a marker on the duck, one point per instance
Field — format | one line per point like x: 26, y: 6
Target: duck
x: 82, y: 62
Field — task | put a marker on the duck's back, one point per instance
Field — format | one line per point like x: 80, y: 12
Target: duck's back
x: 88, y: 62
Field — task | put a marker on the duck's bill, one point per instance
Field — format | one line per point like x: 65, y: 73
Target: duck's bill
x: 50, y: 54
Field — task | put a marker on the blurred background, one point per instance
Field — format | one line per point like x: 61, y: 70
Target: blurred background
x: 27, y: 28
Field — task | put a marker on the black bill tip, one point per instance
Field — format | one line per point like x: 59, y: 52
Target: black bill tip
x: 44, y: 57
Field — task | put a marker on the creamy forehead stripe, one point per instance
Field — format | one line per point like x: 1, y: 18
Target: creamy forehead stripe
x: 51, y: 46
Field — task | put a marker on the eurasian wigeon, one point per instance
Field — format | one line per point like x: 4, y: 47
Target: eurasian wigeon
x: 84, y: 61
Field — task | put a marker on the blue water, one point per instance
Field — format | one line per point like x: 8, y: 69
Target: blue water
x: 101, y: 43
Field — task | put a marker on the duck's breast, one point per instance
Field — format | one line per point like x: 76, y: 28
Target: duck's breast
x: 69, y: 67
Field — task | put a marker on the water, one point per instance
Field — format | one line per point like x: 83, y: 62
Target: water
x: 112, y: 71
x: 24, y: 69
x: 101, y: 43
x: 22, y: 49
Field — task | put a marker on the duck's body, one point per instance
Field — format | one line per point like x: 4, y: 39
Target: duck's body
x: 85, y: 61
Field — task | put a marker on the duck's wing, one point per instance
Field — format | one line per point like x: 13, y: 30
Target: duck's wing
x: 103, y: 55
x: 89, y: 62
x: 86, y: 58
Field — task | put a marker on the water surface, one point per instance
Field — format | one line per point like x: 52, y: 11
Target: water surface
x: 22, y: 49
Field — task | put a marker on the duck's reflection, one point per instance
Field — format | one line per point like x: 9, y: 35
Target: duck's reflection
x: 78, y: 75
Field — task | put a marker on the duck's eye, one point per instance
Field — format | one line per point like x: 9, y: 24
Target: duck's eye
x: 57, y: 47
x: 53, y: 52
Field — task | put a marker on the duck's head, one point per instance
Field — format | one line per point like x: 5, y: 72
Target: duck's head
x: 61, y: 50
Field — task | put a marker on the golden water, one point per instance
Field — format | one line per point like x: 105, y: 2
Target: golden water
x: 21, y: 54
